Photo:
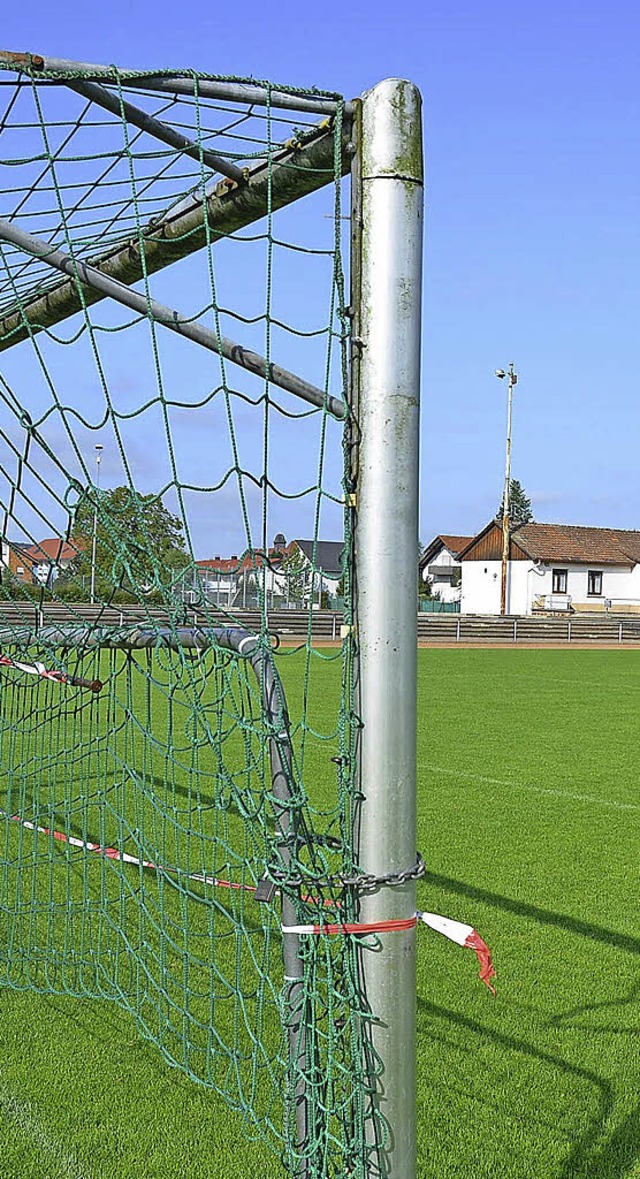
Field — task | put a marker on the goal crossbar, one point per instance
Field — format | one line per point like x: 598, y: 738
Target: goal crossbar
x: 230, y: 90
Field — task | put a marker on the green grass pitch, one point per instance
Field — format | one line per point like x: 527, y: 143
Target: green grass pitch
x: 528, y: 818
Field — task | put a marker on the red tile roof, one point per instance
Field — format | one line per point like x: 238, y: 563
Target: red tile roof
x: 585, y: 546
x: 52, y: 549
x: 455, y: 544
x: 239, y: 564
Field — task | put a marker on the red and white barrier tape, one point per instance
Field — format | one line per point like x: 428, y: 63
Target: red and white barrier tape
x: 464, y: 935
x: 47, y: 673
x: 355, y: 927
x: 455, y: 931
x: 113, y: 853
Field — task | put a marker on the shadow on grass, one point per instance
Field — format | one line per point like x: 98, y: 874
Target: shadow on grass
x: 561, y: 1020
x: 593, y: 1154
x: 596, y: 933
x: 616, y: 1155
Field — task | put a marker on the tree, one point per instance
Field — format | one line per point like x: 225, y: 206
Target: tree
x: 426, y: 591
x: 295, y: 569
x: 139, y: 547
x: 519, y: 506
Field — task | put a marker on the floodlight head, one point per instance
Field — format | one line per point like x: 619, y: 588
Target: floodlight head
x: 500, y: 373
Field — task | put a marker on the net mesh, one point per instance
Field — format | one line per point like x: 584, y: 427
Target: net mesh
x: 143, y: 704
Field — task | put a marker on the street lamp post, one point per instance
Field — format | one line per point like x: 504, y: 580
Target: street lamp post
x: 99, y: 450
x: 512, y: 382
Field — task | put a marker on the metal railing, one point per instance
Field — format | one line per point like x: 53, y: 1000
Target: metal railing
x: 469, y: 628
x: 326, y: 625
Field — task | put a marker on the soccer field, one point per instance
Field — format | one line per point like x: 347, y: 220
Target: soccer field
x: 528, y: 823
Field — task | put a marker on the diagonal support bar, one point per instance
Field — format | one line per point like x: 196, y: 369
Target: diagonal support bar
x: 81, y: 272
x: 159, y: 130
x: 272, y: 184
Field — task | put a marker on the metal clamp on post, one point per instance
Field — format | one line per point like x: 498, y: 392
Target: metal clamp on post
x: 265, y: 890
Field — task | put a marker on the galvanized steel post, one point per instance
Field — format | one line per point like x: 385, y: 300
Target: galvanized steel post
x: 387, y: 266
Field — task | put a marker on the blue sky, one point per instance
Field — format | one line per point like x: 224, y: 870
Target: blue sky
x: 532, y: 244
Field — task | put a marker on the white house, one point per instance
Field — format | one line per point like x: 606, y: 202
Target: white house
x: 323, y: 564
x: 440, y: 565
x: 552, y: 568
x: 294, y: 574
x: 39, y: 564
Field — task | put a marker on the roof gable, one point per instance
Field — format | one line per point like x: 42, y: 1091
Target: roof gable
x: 488, y: 544
x: 328, y: 554
x: 51, y: 549
x: 454, y: 544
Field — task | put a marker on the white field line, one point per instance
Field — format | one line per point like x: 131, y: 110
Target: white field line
x: 574, y: 797
x: 59, y: 1164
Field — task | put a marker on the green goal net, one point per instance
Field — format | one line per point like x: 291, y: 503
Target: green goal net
x: 176, y: 794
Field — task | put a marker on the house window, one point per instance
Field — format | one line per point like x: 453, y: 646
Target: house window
x: 559, y: 583
x: 594, y: 583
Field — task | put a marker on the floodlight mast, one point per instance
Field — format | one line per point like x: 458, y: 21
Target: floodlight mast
x: 512, y: 382
x: 98, y: 449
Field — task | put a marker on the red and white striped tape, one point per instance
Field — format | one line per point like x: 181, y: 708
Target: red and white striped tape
x: 113, y: 853
x: 48, y: 673
x: 355, y: 927
x: 464, y: 935
x: 455, y: 931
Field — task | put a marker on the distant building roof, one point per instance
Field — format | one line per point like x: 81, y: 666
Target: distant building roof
x: 454, y: 544
x: 568, y: 542
x: 238, y: 564
x: 558, y: 543
x: 326, y: 555
x: 53, y: 549
x: 328, y: 558
x: 229, y: 564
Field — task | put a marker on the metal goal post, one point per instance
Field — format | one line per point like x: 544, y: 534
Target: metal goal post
x: 381, y: 149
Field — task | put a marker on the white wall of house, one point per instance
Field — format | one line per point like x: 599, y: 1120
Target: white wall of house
x: 218, y: 587
x: 620, y: 585
x: 482, y: 581
x: 45, y: 572
x: 439, y: 572
x: 480, y: 587
x: 529, y: 584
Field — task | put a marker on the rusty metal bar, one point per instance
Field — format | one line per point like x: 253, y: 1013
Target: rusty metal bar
x: 245, y: 93
x: 159, y: 130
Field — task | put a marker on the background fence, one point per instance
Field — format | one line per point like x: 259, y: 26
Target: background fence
x: 325, y: 625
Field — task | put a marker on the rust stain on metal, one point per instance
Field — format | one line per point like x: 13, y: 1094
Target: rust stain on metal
x: 20, y: 59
